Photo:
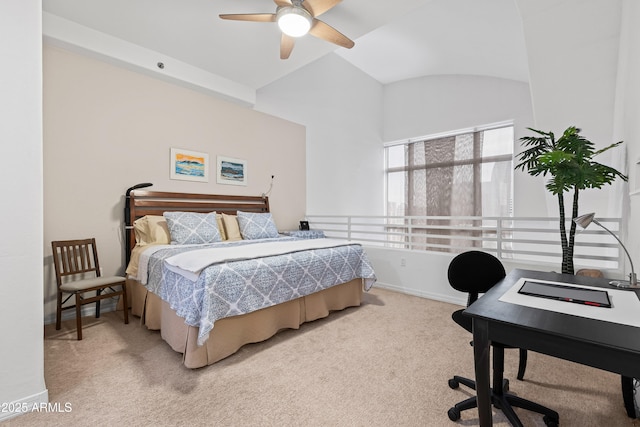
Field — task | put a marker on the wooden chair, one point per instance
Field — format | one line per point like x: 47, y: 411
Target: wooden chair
x: 78, y: 272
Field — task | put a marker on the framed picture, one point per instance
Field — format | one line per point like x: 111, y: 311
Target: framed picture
x: 231, y: 171
x: 189, y: 165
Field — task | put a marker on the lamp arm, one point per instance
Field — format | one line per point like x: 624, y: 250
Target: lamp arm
x: 633, y: 272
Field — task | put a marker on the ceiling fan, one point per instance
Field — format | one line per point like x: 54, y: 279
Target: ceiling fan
x: 295, y: 19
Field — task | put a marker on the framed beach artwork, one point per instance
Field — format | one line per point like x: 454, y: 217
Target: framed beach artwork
x: 231, y: 171
x: 189, y: 165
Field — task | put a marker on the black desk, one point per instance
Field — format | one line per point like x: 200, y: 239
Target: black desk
x: 605, y: 345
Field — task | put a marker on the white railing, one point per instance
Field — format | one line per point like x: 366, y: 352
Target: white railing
x: 522, y: 238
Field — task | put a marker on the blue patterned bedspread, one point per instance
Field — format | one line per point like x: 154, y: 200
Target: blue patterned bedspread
x: 239, y: 287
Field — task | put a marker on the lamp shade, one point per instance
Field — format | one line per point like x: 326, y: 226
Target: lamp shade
x: 293, y: 21
x: 584, y: 220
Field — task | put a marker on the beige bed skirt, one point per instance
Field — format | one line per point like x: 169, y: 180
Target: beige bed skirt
x: 231, y: 333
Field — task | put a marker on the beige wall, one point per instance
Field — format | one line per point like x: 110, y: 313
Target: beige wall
x: 108, y: 128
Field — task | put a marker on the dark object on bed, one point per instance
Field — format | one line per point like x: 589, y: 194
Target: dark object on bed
x: 475, y: 272
x: 143, y: 202
x: 73, y: 261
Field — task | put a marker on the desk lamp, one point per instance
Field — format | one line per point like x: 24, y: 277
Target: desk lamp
x: 584, y: 221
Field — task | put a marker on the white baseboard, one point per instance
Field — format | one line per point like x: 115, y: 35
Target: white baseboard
x: 417, y: 293
x: 36, y: 402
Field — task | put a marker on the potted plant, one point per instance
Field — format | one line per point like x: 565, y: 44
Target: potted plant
x: 569, y: 162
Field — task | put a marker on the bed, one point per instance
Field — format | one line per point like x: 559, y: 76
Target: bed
x: 210, y: 296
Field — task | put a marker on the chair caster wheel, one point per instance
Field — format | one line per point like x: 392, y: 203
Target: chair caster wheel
x: 550, y: 422
x: 453, y: 383
x: 505, y: 385
x: 454, y: 414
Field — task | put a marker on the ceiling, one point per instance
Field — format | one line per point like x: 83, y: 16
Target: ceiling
x: 394, y: 40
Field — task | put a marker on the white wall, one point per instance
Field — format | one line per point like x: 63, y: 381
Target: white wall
x: 626, y: 118
x: 410, y: 108
x: 572, y: 50
x: 21, y: 352
x: 425, y: 274
x: 435, y: 104
x: 341, y: 108
x: 581, y: 93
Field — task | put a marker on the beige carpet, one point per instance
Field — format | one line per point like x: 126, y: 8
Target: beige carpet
x: 384, y: 363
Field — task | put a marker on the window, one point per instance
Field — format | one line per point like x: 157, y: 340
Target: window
x: 457, y: 176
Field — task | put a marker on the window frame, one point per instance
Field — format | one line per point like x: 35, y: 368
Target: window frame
x: 407, y: 168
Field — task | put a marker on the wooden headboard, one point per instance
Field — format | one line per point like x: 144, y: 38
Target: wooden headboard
x: 141, y: 202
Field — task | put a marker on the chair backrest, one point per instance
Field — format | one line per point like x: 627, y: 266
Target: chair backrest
x: 475, y: 272
x: 71, y: 257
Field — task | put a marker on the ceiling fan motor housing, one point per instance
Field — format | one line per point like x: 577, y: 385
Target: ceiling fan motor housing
x: 294, y: 21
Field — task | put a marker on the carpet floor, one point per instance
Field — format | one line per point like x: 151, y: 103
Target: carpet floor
x: 384, y: 363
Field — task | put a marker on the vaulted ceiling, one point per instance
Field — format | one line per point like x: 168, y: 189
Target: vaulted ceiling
x: 394, y: 40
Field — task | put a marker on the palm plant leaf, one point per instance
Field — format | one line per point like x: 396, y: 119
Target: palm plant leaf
x: 569, y: 163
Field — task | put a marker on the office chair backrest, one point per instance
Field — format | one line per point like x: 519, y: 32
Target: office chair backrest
x: 475, y: 272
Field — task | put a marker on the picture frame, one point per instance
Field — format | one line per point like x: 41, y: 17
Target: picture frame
x: 231, y: 171
x: 189, y: 165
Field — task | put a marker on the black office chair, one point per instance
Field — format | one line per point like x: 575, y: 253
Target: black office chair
x: 476, y: 272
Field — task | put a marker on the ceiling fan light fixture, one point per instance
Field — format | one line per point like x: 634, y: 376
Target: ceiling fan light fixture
x: 294, y: 21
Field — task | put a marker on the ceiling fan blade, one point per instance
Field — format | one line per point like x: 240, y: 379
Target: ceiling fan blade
x: 318, y: 7
x: 254, y: 17
x: 283, y: 3
x: 326, y: 32
x: 286, y: 46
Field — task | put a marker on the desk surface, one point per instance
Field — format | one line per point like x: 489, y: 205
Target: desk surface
x: 597, y: 343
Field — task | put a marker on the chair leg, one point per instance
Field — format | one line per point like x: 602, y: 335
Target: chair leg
x: 471, y: 402
x: 498, y: 370
x: 98, y: 292
x: 501, y: 403
x: 523, y: 364
x: 519, y: 402
x: 504, y: 401
x: 457, y: 380
x: 59, y: 311
x: 498, y: 390
x: 79, y: 316
x: 125, y: 303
